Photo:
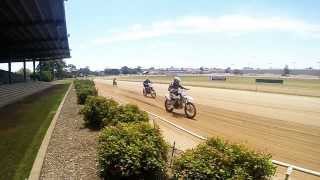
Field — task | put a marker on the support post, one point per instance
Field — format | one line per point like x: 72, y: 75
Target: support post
x: 40, y: 70
x: 34, y: 69
x: 9, y: 72
x: 53, y: 74
x: 172, y: 154
x: 288, y: 173
x: 24, y: 71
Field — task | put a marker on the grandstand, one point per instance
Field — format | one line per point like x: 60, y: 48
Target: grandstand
x: 14, y: 92
x: 14, y: 77
x: 30, y: 31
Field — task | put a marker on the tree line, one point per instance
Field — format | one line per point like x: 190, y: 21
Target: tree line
x: 59, y: 69
x: 123, y: 70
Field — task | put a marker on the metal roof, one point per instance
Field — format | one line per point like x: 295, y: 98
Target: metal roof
x: 33, y: 29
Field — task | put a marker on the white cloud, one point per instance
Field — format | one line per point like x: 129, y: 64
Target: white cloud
x: 198, y: 24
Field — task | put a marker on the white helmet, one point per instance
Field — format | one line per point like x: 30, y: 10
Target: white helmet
x: 177, y: 79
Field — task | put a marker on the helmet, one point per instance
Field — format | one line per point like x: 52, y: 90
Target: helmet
x: 177, y: 79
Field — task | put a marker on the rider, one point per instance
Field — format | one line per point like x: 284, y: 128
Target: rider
x: 146, y: 83
x: 114, y: 82
x: 175, y: 86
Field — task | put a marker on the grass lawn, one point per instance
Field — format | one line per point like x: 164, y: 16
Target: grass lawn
x: 22, y: 128
x: 303, y: 87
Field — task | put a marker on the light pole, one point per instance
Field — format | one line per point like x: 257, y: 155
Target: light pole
x: 294, y: 64
x: 319, y: 67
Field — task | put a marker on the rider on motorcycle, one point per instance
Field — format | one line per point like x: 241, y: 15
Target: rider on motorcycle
x: 114, y: 82
x: 175, y: 86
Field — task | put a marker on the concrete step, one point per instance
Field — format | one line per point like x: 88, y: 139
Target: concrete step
x: 14, y: 92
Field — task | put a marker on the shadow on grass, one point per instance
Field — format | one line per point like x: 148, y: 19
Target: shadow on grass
x: 22, y: 128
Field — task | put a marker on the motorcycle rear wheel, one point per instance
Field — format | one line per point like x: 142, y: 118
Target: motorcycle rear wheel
x: 153, y: 94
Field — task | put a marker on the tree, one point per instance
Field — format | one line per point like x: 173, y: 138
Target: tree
x: 125, y: 70
x: 70, y: 68
x: 59, y: 68
x: 85, y: 71
x: 286, y: 70
x: 111, y: 71
x: 138, y: 70
x: 237, y: 72
x: 55, y: 67
x: 228, y: 70
x: 20, y: 71
x: 70, y: 71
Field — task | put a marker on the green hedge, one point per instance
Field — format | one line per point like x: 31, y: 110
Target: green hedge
x: 99, y: 112
x: 130, y: 113
x: 78, y: 84
x: 84, y: 88
x: 132, y: 151
x: 217, y: 159
x: 46, y: 76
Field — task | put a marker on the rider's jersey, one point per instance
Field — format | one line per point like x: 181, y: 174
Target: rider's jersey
x: 174, y: 87
x: 146, y: 82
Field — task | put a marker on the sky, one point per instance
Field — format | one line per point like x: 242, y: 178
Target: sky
x: 194, y: 33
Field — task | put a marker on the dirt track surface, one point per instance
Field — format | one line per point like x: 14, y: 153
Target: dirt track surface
x: 286, y: 126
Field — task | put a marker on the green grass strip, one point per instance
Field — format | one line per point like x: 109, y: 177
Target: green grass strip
x: 22, y: 128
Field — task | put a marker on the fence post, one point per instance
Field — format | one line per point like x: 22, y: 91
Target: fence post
x: 289, y: 171
x: 173, y: 149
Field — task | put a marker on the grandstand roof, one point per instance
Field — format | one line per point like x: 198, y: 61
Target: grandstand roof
x: 33, y: 29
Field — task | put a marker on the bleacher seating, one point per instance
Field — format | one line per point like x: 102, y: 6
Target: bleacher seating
x: 15, y: 77
x: 10, y: 93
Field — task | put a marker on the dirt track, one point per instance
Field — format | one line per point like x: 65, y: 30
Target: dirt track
x: 286, y: 126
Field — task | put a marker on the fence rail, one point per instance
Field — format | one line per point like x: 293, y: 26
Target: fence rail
x: 290, y: 167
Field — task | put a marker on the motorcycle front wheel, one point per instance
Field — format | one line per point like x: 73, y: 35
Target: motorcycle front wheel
x: 190, y: 110
x: 144, y: 92
x: 168, y: 106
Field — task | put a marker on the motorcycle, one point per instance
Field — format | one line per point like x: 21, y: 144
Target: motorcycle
x: 183, y: 102
x: 149, y: 90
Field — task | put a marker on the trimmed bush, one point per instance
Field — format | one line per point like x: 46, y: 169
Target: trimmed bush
x: 132, y: 151
x: 217, y: 159
x: 78, y: 84
x: 129, y: 113
x: 84, y: 93
x: 98, y: 110
x: 84, y: 88
x: 46, y: 76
